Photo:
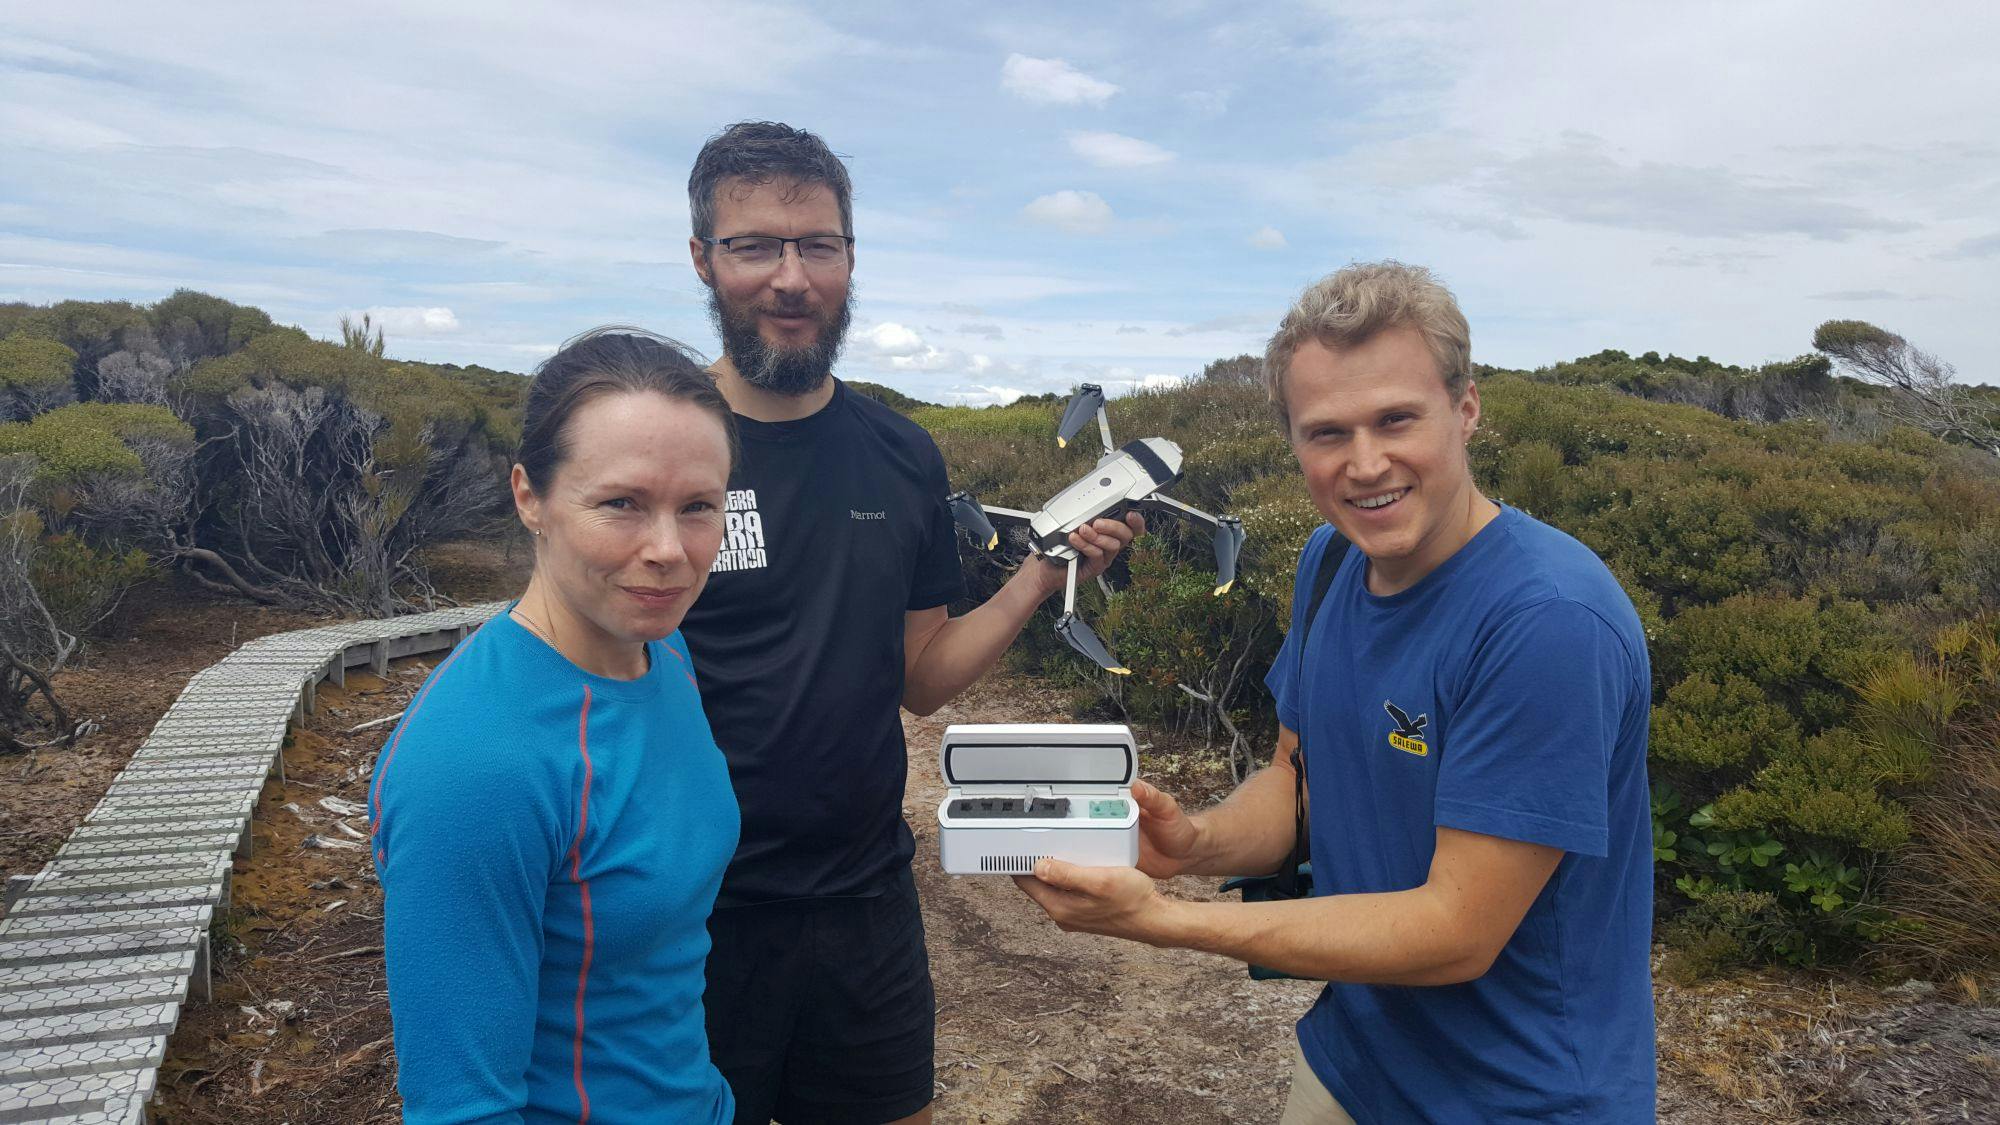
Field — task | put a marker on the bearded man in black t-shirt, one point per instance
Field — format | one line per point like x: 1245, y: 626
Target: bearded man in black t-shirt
x: 825, y: 612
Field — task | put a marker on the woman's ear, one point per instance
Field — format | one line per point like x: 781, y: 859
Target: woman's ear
x: 527, y: 504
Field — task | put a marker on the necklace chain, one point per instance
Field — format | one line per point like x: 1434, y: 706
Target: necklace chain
x: 524, y: 619
x: 547, y: 639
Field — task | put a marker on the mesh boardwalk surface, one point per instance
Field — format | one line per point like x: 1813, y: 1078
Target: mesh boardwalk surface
x: 99, y: 950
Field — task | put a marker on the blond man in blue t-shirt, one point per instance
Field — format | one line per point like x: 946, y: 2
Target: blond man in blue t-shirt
x: 1471, y: 707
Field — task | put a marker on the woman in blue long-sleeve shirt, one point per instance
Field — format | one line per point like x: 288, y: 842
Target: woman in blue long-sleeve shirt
x: 552, y: 817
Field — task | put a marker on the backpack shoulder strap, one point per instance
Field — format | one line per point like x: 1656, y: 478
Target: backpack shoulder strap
x: 1329, y: 565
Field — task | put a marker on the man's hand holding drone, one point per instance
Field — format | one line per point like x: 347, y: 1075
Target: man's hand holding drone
x: 1097, y: 545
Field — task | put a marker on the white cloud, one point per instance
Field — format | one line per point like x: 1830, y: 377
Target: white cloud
x: 1116, y: 150
x: 984, y: 396
x: 1268, y: 238
x: 893, y: 340
x: 1125, y: 380
x: 901, y: 348
x: 1078, y: 212
x: 410, y: 320
x: 1052, y: 82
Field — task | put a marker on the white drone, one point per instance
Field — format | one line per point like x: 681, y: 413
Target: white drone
x: 1125, y: 478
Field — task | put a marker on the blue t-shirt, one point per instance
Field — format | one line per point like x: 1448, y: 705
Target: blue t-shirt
x: 1506, y: 693
x: 550, y: 843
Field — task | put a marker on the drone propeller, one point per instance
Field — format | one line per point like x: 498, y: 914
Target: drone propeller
x: 1229, y: 537
x: 1072, y: 628
x: 1088, y: 401
x: 970, y: 516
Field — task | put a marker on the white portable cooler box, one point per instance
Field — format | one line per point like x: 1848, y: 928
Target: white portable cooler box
x: 1021, y: 791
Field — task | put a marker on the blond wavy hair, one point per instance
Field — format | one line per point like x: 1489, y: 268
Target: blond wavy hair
x: 1349, y: 307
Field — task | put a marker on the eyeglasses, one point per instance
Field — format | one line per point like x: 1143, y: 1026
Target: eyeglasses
x: 759, y: 251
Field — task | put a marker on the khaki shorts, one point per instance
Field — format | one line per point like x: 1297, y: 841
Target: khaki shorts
x: 1309, y: 1103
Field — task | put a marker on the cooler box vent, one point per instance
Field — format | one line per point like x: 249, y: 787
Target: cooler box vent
x: 1008, y: 864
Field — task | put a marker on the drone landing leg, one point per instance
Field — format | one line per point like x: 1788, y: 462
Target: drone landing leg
x: 1071, y: 628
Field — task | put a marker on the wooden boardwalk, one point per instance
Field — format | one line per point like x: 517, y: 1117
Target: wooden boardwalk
x: 99, y: 950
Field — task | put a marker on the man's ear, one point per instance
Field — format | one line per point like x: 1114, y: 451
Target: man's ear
x: 1468, y: 410
x: 698, y: 250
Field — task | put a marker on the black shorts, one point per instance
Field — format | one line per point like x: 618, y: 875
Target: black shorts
x: 821, y: 1010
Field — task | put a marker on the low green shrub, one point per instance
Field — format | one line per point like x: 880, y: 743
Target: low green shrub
x: 34, y: 376
x: 87, y: 439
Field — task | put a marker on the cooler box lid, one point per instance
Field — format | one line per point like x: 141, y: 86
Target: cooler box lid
x: 1038, y: 754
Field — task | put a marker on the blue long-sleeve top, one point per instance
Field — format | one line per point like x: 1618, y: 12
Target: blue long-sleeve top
x: 550, y: 843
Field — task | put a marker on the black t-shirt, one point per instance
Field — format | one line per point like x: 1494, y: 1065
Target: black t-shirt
x: 836, y: 527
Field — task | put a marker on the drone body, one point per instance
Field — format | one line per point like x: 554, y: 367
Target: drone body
x: 1120, y: 480
x: 1125, y: 479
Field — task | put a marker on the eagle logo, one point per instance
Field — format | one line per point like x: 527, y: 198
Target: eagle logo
x: 1409, y: 733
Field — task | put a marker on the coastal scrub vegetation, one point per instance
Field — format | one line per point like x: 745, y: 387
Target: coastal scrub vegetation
x: 196, y: 435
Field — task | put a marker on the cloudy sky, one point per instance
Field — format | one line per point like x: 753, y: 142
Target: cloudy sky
x: 1046, y: 193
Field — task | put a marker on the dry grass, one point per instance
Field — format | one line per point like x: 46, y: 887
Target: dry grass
x: 1946, y: 883
x: 1782, y: 1048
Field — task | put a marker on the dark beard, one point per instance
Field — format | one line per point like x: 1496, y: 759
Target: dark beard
x: 792, y: 373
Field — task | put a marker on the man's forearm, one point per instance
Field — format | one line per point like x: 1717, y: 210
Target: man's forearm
x: 1403, y: 937
x: 1251, y: 832
x: 963, y: 648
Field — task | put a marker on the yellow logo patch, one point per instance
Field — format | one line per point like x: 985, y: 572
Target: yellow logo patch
x: 1409, y: 745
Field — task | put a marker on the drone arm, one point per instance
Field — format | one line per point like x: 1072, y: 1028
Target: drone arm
x: 1159, y: 502
x: 1228, y: 536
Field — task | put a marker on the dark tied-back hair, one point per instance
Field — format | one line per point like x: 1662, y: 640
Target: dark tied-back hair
x: 610, y: 360
x: 762, y: 152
